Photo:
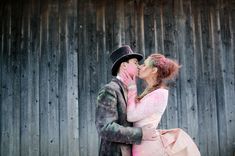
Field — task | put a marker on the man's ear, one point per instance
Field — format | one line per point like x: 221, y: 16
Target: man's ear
x: 123, y: 65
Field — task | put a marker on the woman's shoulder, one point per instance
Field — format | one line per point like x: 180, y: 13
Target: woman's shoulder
x: 158, y: 92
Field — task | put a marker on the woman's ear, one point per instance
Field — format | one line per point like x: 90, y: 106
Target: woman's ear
x: 155, y: 70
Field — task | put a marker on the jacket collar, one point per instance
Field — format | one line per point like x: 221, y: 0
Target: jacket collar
x: 122, y: 86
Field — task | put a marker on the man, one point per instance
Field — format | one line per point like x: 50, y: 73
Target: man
x: 116, y: 133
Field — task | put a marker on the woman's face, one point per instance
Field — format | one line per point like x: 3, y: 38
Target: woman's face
x: 146, y: 70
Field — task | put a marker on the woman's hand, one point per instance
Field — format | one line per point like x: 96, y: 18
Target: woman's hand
x: 129, y: 81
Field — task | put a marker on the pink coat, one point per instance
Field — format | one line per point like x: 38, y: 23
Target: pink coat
x: 172, y: 142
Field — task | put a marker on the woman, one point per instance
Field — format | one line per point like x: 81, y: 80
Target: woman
x: 149, y: 107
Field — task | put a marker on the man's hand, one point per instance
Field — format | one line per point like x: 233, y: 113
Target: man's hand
x: 149, y: 133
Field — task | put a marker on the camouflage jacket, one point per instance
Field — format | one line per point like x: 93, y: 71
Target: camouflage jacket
x: 116, y: 133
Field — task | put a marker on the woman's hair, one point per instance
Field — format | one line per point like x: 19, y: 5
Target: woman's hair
x: 167, y: 70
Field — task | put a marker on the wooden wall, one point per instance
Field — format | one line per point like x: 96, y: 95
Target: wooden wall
x: 54, y: 58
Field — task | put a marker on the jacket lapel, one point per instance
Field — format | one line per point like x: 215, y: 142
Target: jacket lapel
x: 122, y: 88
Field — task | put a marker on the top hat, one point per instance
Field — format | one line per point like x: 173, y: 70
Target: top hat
x: 120, y: 55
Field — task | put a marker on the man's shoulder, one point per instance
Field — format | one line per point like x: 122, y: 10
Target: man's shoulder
x: 112, y: 85
x: 110, y: 88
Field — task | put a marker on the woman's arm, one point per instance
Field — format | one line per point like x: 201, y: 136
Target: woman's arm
x: 152, y: 103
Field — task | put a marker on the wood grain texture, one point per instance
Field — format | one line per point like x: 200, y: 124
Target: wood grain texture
x: 54, y: 59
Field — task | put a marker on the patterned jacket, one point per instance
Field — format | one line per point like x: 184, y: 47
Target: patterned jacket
x: 116, y: 133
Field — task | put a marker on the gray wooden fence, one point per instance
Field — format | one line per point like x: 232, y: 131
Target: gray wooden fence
x: 54, y: 58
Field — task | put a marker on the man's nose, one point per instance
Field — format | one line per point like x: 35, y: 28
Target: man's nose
x: 139, y: 67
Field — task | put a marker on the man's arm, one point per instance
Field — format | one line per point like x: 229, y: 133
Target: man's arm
x: 107, y: 117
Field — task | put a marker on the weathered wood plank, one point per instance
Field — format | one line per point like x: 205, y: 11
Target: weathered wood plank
x: 130, y: 24
x: 109, y: 34
x: 53, y: 114
x: 34, y: 43
x: 102, y: 56
x: 16, y: 55
x: 168, y: 43
x: 228, y: 72
x: 207, y: 87
x: 25, y: 94
x: 199, y: 71
x: 188, y: 79
x: 1, y: 73
x: 82, y: 66
x: 72, y: 79
x: 6, y: 87
x: 44, y: 82
x: 220, y: 101
x: 170, y: 50
x: 149, y: 28
x: 62, y: 80
x: 118, y: 23
x: 91, y: 79
x: 159, y: 25
x: 232, y: 82
x: 139, y: 13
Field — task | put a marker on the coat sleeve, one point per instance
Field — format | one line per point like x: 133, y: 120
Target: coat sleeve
x: 107, y: 117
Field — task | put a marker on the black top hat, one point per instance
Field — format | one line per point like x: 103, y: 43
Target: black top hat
x: 122, y: 54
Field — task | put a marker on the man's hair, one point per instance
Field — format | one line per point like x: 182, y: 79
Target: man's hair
x: 127, y: 61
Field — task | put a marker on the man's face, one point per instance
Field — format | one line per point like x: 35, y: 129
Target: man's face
x: 132, y: 67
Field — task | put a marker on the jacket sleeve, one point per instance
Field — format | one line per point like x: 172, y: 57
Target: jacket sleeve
x: 107, y: 118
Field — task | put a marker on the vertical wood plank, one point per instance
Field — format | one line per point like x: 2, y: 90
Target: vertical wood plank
x: 130, y: 23
x: 206, y: 106
x: 228, y: 71
x: 102, y: 55
x: 199, y: 78
x: 189, y: 76
x: 118, y: 24
x: 44, y: 81
x: 53, y: 116
x: 25, y: 126
x: 82, y: 66
x: 109, y: 34
x: 15, y: 77
x: 140, y: 44
x: 159, y: 25
x: 72, y: 63
x: 1, y: 69
x: 203, y: 84
x: 6, y: 103
x: 149, y: 28
x: 168, y: 43
x: 170, y: 35
x: 220, y: 101
x: 90, y: 77
x: 62, y: 80
x: 72, y: 92
x: 232, y: 76
x: 34, y: 43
